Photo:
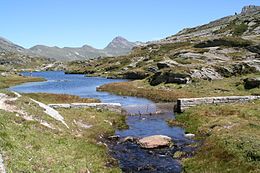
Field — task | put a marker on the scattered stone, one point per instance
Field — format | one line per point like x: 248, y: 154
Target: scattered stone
x: 153, y: 69
x: 155, y: 141
x: 257, y: 30
x: 109, y: 122
x: 2, y: 166
x: 252, y: 23
x: 191, y: 55
x: 189, y: 135
x: 129, y: 139
x: 114, y: 137
x: 251, y: 83
x: 82, y: 125
x: 135, y: 61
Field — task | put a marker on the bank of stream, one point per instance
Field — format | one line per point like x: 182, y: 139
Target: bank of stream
x: 144, y: 118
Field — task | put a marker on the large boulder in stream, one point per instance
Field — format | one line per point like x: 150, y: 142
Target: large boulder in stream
x: 156, y: 141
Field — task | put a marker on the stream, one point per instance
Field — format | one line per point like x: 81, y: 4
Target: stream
x: 150, y: 121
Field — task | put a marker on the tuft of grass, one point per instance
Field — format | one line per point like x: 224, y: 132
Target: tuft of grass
x: 225, y: 42
x: 240, y: 29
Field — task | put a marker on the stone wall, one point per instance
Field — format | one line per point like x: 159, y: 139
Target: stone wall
x: 185, y: 103
x: 115, y: 107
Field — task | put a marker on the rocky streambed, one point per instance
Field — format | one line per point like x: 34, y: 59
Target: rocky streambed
x: 150, y: 145
x: 131, y: 147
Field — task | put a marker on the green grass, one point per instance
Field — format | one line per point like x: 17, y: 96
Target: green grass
x: 225, y: 42
x: 28, y: 146
x: 240, y: 29
x: 231, y: 137
x: 237, y: 29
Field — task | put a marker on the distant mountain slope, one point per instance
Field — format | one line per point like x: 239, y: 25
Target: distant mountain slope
x: 6, y: 45
x: 118, y: 46
x: 66, y: 53
x: 14, y: 57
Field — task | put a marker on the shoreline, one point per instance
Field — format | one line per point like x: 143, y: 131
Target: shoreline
x: 83, y: 131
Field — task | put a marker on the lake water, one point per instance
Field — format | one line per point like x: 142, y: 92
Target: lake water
x: 75, y: 84
x: 131, y: 157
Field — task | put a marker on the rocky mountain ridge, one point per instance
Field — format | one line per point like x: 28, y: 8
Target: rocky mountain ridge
x: 222, y: 48
x: 6, y: 45
x: 118, y: 46
x: 245, y: 24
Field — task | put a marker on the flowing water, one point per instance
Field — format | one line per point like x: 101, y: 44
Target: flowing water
x: 151, y: 120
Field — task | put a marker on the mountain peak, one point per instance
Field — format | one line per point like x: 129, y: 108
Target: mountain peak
x: 120, y: 42
x: 250, y: 9
x: 119, y: 45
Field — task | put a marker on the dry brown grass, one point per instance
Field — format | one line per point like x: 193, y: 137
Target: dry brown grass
x: 171, y: 92
x: 6, y: 82
x: 48, y: 98
x: 131, y: 89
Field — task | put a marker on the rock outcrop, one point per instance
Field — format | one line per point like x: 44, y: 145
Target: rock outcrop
x: 250, y: 9
x: 206, y: 73
x: 135, y: 75
x: 169, y: 77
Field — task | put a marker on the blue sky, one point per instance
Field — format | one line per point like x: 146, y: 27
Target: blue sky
x: 96, y: 22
